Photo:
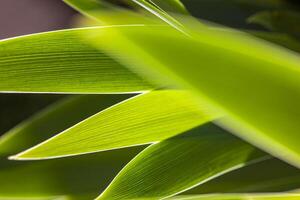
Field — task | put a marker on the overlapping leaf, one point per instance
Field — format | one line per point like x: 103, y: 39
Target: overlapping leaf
x: 179, y: 163
x: 81, y: 176
x: 54, y: 119
x: 37, y: 64
x: 146, y: 118
x: 256, y: 83
x: 159, y: 8
x: 60, y: 62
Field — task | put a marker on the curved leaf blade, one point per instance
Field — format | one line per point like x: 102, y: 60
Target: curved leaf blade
x: 61, y: 62
x: 83, y: 175
x: 143, y: 119
x: 180, y: 163
x: 109, y: 14
x: 156, y: 10
x: 245, y: 69
x: 54, y: 118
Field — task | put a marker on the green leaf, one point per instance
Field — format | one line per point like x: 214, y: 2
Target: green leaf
x: 55, y: 118
x: 280, y: 20
x: 274, y: 196
x: 85, y: 175
x: 267, y: 176
x: 143, y: 119
x: 255, y: 83
x: 155, y: 9
x: 61, y: 62
x: 180, y: 163
x: 99, y: 10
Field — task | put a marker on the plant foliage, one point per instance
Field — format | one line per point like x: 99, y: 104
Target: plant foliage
x: 173, y: 105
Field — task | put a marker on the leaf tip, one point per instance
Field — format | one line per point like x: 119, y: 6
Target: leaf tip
x: 22, y: 156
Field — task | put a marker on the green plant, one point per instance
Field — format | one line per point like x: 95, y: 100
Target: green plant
x: 166, y: 102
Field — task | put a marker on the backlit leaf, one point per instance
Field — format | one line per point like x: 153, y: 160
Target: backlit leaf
x: 60, y: 62
x: 55, y: 118
x: 254, y: 82
x: 143, y: 119
x: 180, y: 163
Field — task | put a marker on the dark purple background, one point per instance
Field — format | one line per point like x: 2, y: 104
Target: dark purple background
x: 19, y: 17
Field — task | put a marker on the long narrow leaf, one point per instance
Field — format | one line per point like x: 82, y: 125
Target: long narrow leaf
x: 179, y: 163
x: 143, y: 119
x: 98, y: 10
x: 53, y: 119
x: 83, y: 175
x: 255, y: 83
x: 62, y: 62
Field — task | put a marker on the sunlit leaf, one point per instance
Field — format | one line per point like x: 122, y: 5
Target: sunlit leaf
x: 99, y: 10
x: 180, y: 163
x: 83, y: 175
x: 61, y: 62
x: 53, y: 119
x: 143, y: 119
x: 254, y: 82
x: 155, y: 9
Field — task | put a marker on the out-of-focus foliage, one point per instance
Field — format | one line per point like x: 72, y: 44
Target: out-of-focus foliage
x: 193, y: 82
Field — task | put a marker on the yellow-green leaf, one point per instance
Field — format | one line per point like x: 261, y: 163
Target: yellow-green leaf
x: 143, y: 119
x: 61, y: 62
x: 53, y: 119
x: 256, y: 83
x: 180, y: 163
